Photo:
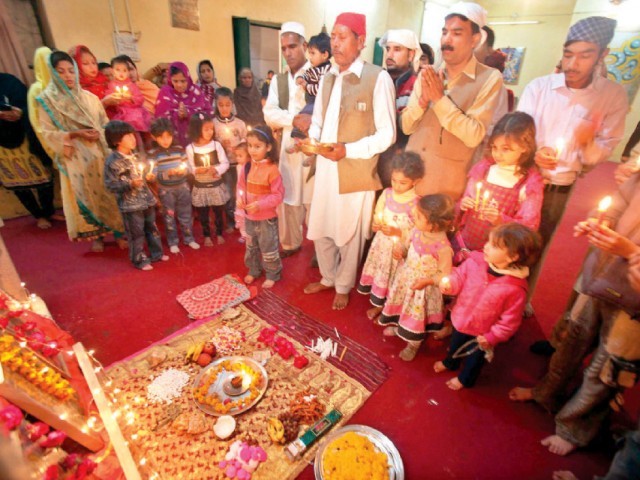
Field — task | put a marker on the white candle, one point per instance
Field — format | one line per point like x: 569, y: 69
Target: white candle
x: 380, y: 217
x: 637, y: 164
x: 560, y: 144
x: 141, y: 168
x: 119, y: 91
x: 125, y: 90
x: 485, y: 198
x: 445, y: 282
x: 603, y: 206
x: 478, y: 190
x: 151, y: 166
x: 206, y: 161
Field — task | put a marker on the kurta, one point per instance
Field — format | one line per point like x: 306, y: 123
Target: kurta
x: 336, y: 215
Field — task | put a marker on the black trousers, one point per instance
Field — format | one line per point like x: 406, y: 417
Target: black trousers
x: 203, y: 214
x: 38, y: 199
x: 471, y: 365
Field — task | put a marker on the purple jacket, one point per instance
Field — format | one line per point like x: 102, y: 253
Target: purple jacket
x: 486, y: 305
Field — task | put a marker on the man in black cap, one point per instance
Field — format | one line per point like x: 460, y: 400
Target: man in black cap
x: 579, y: 119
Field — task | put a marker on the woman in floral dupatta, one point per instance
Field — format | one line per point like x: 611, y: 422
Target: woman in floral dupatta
x: 179, y: 99
x: 71, y: 121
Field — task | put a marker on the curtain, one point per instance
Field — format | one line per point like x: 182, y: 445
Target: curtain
x: 12, y: 59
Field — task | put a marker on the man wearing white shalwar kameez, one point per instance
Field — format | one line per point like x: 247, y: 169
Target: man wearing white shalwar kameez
x: 355, y: 112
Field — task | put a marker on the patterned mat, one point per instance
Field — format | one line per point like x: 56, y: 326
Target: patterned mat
x: 171, y: 455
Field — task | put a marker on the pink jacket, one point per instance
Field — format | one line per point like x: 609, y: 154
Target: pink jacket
x: 486, y: 305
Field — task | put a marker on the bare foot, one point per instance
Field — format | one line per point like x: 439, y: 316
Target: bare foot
x: 374, y: 313
x: 439, y: 367
x: 563, y: 475
x: 268, y: 283
x: 147, y: 267
x: 57, y: 218
x: 229, y: 229
x: 390, y: 331
x: 454, y: 384
x: 558, y: 445
x: 43, y: 223
x: 208, y: 242
x: 340, y: 301
x: 521, y: 394
x: 249, y: 279
x: 409, y: 352
x: 315, y: 288
x: 444, y: 332
x: 97, y: 246
x: 122, y: 243
x: 220, y: 240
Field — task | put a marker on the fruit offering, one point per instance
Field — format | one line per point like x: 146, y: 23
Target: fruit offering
x: 201, y: 353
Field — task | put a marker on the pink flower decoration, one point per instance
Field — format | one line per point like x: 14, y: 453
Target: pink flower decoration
x: 37, y: 430
x: 50, y: 349
x: 4, y: 321
x: 11, y: 416
x: 52, y: 473
x: 54, y: 439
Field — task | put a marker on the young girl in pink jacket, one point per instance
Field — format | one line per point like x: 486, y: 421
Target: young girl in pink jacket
x: 492, y: 292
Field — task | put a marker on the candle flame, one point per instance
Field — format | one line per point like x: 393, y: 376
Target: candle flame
x: 604, y: 204
x: 560, y: 144
x: 151, y: 166
x: 479, y: 186
x: 485, y: 195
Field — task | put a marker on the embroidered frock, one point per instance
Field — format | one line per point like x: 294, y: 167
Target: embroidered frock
x: 417, y: 311
x: 380, y: 267
x: 208, y: 190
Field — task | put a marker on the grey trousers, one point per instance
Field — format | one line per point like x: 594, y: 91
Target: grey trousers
x: 176, y: 203
x: 262, y: 248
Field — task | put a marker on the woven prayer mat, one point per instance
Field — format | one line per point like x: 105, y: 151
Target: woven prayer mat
x: 174, y: 456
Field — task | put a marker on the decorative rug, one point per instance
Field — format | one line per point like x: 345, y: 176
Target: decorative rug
x: 213, y: 297
x: 165, y: 453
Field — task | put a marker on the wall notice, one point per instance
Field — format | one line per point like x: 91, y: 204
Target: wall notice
x: 185, y: 14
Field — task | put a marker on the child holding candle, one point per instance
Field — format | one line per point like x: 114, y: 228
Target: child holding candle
x: 129, y: 107
x: 414, y: 304
x: 230, y: 132
x: 491, y: 287
x: 124, y: 176
x: 259, y: 193
x: 507, y: 187
x: 392, y: 220
x: 170, y: 173
x: 207, y: 162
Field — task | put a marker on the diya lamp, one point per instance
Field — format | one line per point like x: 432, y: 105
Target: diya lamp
x: 603, y: 206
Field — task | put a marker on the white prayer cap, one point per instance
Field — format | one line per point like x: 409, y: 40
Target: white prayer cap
x: 406, y: 38
x: 293, y: 27
x: 473, y: 12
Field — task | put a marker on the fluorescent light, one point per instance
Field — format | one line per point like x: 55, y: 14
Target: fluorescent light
x: 516, y: 22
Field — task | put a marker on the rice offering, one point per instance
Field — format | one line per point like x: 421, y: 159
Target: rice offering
x: 354, y: 457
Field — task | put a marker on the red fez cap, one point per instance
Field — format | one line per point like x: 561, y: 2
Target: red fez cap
x: 357, y: 22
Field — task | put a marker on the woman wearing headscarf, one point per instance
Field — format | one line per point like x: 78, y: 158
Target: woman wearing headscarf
x: 207, y: 80
x: 91, y: 78
x: 179, y: 99
x: 148, y: 89
x: 22, y: 159
x: 247, y: 99
x: 71, y: 122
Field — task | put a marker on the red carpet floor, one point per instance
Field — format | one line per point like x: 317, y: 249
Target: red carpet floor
x: 472, y: 434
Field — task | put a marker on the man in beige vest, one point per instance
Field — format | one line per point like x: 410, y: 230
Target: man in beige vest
x: 450, y: 109
x: 355, y: 113
x: 284, y: 102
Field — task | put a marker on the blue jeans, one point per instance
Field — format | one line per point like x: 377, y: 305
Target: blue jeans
x: 138, y: 226
x: 176, y: 203
x: 262, y: 248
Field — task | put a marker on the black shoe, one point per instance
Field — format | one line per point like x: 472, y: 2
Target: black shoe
x: 542, y: 347
x: 284, y: 253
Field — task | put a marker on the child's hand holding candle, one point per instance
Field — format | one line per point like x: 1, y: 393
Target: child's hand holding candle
x: 603, y: 206
x: 478, y: 190
x: 468, y: 203
x: 445, y: 285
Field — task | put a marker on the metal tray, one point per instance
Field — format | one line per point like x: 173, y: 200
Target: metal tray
x: 381, y: 441
x: 217, y: 386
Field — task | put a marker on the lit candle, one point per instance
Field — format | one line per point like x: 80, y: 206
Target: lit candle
x: 151, y: 166
x: 478, y: 190
x: 141, y: 168
x: 445, y: 283
x: 560, y: 144
x: 206, y: 161
x: 603, y: 206
x: 125, y: 90
x: 637, y: 168
x: 380, y: 217
x: 119, y: 91
x: 183, y: 166
x: 485, y: 199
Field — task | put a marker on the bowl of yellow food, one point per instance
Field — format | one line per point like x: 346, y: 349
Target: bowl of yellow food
x: 316, y: 148
x: 358, y: 452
